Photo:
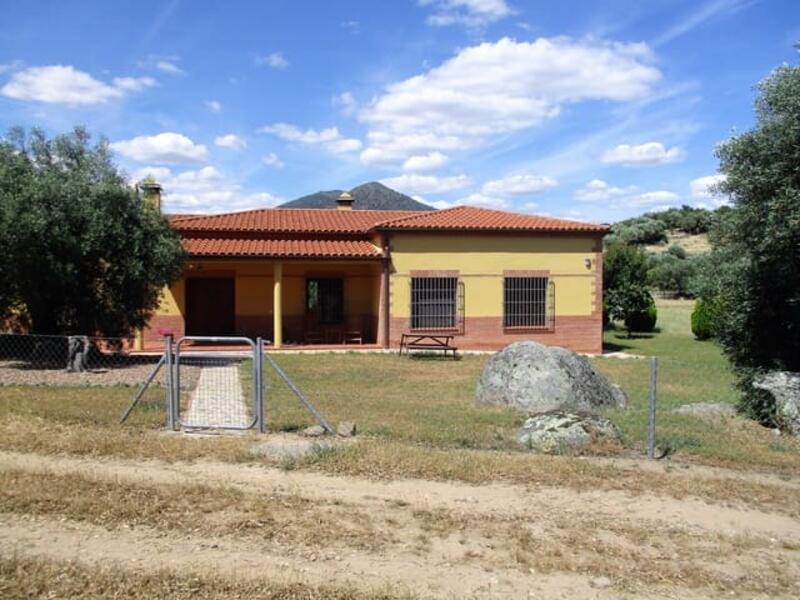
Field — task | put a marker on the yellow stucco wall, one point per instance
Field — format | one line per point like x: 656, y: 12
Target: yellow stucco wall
x: 481, y: 260
x: 254, y: 280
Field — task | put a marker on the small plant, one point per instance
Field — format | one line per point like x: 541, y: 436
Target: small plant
x: 703, y: 320
x: 643, y: 320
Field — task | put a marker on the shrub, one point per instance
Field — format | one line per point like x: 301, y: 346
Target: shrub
x: 643, y: 321
x: 703, y: 320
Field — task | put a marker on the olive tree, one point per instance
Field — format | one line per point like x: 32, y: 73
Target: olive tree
x: 82, y: 253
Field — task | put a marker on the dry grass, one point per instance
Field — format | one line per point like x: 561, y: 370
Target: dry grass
x: 633, y: 553
x: 380, y: 459
x: 200, y: 509
x: 692, y: 243
x: 39, y: 578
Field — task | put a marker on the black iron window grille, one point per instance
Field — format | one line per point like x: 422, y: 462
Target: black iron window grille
x: 436, y: 303
x: 528, y: 303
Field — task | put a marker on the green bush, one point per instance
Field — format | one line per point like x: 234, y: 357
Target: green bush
x: 643, y: 321
x: 703, y: 320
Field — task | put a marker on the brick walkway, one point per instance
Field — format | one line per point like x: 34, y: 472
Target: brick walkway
x: 218, y: 401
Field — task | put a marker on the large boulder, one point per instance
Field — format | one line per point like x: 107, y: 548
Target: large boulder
x: 561, y: 431
x: 785, y: 389
x: 541, y: 379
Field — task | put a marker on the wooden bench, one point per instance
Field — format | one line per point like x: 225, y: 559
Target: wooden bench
x: 440, y: 343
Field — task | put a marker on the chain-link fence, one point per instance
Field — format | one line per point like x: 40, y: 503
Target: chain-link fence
x: 27, y: 359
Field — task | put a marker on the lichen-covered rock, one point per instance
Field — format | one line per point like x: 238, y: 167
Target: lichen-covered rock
x: 541, y: 379
x: 785, y: 389
x: 555, y: 432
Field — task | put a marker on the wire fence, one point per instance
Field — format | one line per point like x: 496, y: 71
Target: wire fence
x: 28, y: 359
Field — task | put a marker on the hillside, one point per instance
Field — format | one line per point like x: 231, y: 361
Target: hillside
x: 693, y: 243
x: 367, y: 196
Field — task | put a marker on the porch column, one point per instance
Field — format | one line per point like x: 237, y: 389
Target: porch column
x: 277, y: 306
x: 383, y: 306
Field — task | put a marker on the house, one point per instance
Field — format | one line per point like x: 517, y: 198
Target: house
x: 333, y: 276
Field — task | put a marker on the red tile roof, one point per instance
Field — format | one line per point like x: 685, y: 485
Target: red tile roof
x: 310, y: 232
x: 292, y: 248
x: 471, y: 218
x: 291, y: 220
x: 332, y: 221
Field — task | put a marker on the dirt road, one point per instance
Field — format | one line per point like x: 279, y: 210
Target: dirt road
x: 432, y: 539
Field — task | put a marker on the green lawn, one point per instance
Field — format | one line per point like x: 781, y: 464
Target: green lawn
x: 402, y: 403
x: 689, y: 371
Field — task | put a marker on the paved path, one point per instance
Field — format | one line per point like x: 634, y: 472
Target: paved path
x: 218, y: 401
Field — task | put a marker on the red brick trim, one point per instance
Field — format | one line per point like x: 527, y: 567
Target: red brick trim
x: 433, y: 273
x: 578, y: 333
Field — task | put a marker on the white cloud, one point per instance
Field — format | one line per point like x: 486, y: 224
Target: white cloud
x: 598, y: 190
x: 205, y: 190
x: 472, y: 13
x: 499, y: 88
x: 631, y: 196
x: 230, y: 140
x: 328, y: 138
x: 518, y: 185
x: 157, y: 173
x: 352, y: 26
x: 484, y: 201
x: 423, y: 163
x: 412, y: 183
x: 215, y: 106
x: 276, y: 60
x: 13, y: 65
x: 64, y: 84
x: 272, y: 160
x: 650, y: 153
x: 134, y: 84
x: 701, y: 187
x: 164, y: 148
x: 169, y: 67
x: 705, y: 12
x: 656, y: 200
x: 346, y: 103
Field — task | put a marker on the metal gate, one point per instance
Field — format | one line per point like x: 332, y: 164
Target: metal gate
x: 218, y: 390
x: 210, y: 390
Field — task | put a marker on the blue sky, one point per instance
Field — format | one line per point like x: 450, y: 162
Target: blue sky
x: 586, y: 110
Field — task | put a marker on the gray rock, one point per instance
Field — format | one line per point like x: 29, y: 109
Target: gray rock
x: 540, y: 379
x: 785, y: 389
x: 346, y: 429
x: 707, y: 409
x: 554, y: 432
x: 620, y: 398
x: 282, y: 449
x: 313, y: 431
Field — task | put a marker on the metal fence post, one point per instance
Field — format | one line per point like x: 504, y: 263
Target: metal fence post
x: 651, y: 426
x: 258, y: 365
x: 172, y: 418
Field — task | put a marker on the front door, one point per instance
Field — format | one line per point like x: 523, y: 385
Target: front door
x: 325, y: 299
x: 209, y: 306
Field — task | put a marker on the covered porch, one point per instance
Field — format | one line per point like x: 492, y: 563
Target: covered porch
x: 291, y: 303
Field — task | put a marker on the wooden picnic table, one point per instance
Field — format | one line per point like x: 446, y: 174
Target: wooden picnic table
x: 427, y: 341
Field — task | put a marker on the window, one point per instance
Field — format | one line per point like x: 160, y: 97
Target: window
x: 325, y: 300
x: 525, y: 302
x: 434, y: 303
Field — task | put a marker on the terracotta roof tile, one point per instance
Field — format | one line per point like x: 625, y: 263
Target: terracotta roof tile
x: 471, y: 218
x: 292, y: 248
x: 291, y: 220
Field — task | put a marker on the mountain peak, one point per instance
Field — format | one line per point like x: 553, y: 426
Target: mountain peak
x: 372, y: 195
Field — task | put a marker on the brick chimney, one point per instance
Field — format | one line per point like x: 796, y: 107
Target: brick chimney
x: 151, y: 193
x: 344, y: 201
